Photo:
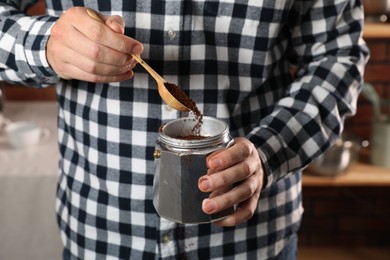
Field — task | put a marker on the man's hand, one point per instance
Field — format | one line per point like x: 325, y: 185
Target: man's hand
x: 83, y: 48
x: 239, y: 166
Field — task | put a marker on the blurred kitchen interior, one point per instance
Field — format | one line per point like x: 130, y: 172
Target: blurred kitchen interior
x: 347, y: 214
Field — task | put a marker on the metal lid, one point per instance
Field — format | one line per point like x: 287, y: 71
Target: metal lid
x: 214, y: 130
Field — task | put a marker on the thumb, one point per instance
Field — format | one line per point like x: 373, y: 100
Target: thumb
x: 116, y: 23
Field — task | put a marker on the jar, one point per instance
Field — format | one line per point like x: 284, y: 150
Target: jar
x: 180, y: 162
x: 380, y: 144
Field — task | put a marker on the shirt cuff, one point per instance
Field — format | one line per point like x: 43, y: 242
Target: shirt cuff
x: 35, y: 49
x: 273, y: 154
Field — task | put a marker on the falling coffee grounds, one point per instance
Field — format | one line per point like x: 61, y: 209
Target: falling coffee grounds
x: 183, y: 98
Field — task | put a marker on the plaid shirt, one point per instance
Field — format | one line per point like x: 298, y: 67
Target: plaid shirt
x: 234, y: 60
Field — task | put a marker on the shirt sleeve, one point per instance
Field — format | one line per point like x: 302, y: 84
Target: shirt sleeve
x: 23, y: 45
x: 329, y: 54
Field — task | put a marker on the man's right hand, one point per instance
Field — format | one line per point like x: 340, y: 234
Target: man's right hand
x: 83, y: 48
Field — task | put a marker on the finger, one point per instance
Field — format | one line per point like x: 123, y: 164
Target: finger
x: 92, y: 67
x: 73, y: 72
x: 102, y: 54
x: 99, y: 32
x: 87, y: 49
x: 59, y: 42
x: 245, y: 210
x: 80, y: 59
x: 220, y: 192
x: 100, y: 62
x: 226, y: 158
x: 116, y: 23
x: 238, y: 194
x: 232, y: 175
x: 243, y: 213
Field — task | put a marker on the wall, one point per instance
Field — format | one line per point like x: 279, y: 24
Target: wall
x: 345, y: 216
x: 353, y: 216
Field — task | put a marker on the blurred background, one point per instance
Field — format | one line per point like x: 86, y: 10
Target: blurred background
x: 347, y: 205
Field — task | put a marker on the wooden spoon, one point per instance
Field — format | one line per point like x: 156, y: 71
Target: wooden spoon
x: 165, y: 94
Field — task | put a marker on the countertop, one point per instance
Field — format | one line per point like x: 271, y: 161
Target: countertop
x: 359, y: 174
x: 376, y: 30
x: 42, y: 158
x: 28, y: 181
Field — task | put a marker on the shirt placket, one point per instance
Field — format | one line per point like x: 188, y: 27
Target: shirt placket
x: 172, y: 26
x: 168, y: 245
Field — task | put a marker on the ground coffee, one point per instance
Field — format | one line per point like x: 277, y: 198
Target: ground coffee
x: 183, y: 98
x: 191, y: 137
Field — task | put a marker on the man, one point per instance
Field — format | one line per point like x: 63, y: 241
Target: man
x: 235, y: 60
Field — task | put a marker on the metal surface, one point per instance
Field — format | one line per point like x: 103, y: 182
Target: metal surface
x: 380, y: 144
x: 337, y: 159
x: 179, y: 166
x: 370, y: 94
x: 216, y: 131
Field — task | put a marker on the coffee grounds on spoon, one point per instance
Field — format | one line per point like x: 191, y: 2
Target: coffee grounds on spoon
x: 183, y: 98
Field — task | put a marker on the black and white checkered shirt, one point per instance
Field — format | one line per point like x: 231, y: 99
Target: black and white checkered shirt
x: 234, y: 59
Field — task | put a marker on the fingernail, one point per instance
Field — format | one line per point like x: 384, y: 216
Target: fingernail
x: 204, y: 183
x: 208, y: 205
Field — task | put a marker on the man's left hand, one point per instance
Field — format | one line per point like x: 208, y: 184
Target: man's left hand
x: 240, y: 167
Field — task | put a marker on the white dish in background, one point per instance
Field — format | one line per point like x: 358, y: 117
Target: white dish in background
x: 24, y: 134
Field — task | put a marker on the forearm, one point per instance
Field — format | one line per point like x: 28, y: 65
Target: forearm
x: 330, y: 56
x: 22, y: 50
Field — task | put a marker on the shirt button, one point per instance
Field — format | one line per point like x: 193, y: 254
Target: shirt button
x: 168, y: 108
x: 166, y: 238
x: 171, y: 34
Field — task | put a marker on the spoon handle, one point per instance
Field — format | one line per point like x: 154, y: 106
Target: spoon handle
x: 151, y: 71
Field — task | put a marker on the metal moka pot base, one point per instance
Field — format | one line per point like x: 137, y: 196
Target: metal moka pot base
x: 178, y: 166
